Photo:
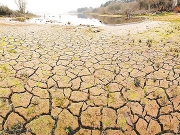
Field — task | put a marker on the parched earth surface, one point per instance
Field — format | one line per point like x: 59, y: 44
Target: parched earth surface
x: 84, y: 80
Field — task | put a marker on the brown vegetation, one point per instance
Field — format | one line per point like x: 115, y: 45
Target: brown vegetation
x: 177, y: 9
x: 136, y: 7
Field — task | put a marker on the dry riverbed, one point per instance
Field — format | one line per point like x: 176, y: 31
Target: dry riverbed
x: 90, y: 81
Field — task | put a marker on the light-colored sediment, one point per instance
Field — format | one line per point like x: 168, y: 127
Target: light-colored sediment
x: 90, y: 80
x: 132, y: 28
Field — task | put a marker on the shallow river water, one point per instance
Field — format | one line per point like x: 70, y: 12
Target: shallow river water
x: 82, y: 19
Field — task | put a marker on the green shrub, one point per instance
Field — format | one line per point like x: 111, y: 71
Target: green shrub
x: 5, y: 11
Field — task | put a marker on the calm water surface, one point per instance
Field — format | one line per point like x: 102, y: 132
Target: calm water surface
x: 81, y: 19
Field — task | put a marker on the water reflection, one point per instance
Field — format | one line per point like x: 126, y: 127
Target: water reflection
x: 87, y: 16
x: 83, y: 16
x: 82, y: 19
x: 116, y: 20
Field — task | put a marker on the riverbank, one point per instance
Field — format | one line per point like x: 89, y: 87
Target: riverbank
x: 126, y: 27
x: 57, y: 79
x: 133, y: 28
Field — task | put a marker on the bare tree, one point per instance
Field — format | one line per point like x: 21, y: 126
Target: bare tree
x: 175, y: 2
x: 113, y: 8
x: 129, y: 8
x: 22, y: 5
x: 150, y: 3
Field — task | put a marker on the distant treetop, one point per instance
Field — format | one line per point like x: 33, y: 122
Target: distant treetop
x: 112, y: 1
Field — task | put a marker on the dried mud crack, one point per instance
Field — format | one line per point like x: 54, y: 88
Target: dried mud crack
x: 67, y: 80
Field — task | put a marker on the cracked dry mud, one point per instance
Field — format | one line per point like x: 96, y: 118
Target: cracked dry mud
x: 71, y: 80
